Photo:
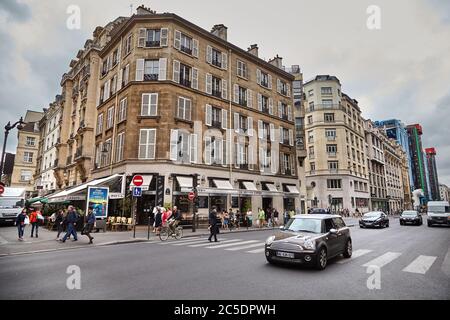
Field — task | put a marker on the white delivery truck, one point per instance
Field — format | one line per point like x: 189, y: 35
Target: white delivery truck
x: 438, y: 213
x: 12, y: 201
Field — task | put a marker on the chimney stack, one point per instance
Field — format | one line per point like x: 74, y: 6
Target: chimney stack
x: 220, y: 31
x: 277, y: 62
x: 253, y: 50
x: 142, y: 10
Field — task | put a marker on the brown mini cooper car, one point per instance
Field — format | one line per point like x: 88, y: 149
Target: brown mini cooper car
x: 310, y: 240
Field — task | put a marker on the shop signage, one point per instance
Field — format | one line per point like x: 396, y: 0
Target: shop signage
x: 97, y: 199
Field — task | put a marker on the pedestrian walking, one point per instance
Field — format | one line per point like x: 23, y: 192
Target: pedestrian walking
x: 158, y: 220
x: 269, y: 217
x: 89, y: 224
x: 21, y: 221
x: 261, y: 217
x: 275, y: 217
x: 213, y: 225
x: 237, y: 219
x: 72, y: 219
x: 249, y: 218
x: 34, y: 222
x: 59, y: 222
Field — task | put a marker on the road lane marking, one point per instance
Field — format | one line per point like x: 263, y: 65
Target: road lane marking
x: 231, y: 244
x: 355, y: 254
x: 257, y: 250
x: 209, y: 243
x: 182, y: 241
x: 383, y: 260
x: 189, y: 242
x: 420, y: 265
x: 247, y: 247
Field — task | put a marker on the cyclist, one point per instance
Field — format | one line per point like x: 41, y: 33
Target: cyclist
x: 174, y: 219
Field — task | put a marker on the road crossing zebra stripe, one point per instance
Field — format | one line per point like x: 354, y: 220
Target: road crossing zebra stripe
x: 231, y: 244
x: 383, y: 260
x: 355, y: 254
x: 182, y: 241
x: 420, y: 265
x: 247, y: 246
x: 209, y: 243
x: 257, y: 250
x: 189, y: 242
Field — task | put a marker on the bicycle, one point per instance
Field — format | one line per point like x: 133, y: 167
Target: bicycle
x: 167, y: 232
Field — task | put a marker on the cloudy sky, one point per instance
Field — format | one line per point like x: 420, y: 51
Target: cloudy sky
x: 400, y: 71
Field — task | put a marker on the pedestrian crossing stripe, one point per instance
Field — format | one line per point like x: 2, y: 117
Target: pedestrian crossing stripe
x: 420, y: 265
x: 179, y: 243
x: 231, y: 244
x: 246, y: 247
x: 355, y: 254
x: 257, y: 250
x: 383, y: 260
x: 209, y: 243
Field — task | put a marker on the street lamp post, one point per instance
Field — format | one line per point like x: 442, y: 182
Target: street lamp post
x: 8, y: 128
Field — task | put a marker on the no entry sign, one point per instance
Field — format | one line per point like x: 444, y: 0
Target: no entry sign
x: 138, y: 180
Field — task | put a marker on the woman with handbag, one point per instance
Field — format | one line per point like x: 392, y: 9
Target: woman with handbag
x: 21, y: 221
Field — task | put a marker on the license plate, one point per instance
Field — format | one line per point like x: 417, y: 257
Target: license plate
x: 285, y: 254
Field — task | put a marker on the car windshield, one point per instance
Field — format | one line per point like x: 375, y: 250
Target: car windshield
x: 11, y: 203
x: 304, y: 225
x: 372, y: 215
x: 409, y: 213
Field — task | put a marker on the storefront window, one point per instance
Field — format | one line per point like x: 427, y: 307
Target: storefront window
x: 220, y: 202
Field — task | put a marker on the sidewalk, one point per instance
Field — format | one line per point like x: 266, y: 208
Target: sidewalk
x: 9, y: 245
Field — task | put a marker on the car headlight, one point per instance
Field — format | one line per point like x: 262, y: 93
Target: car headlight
x: 309, y: 244
x: 270, y: 240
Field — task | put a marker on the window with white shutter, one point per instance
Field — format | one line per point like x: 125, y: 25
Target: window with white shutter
x: 208, y: 148
x: 224, y: 89
x: 249, y: 98
x: 260, y: 107
x: 209, y: 54
x: 177, y: 40
x: 120, y: 142
x: 272, y: 132
x: 208, y: 115
x: 194, y: 83
x: 224, y: 61
x: 236, y: 93
x: 142, y: 37
x: 173, y: 145
x: 140, y: 66
x: 164, y: 37
x: 110, y: 118
x: 149, y: 105
x: 271, y: 106
x: 260, y: 129
x: 147, y: 144
x: 224, y: 119
x: 176, y: 71
x: 193, y: 147
x: 236, y: 122
x: 195, y: 48
x: 162, y: 69
x: 122, y: 115
x: 289, y: 108
x: 270, y: 81
x: 250, y: 126
x: 99, y: 123
x: 291, y: 137
x: 184, y: 108
x: 258, y: 76
x: 209, y: 83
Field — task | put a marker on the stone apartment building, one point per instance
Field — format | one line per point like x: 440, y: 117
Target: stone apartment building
x: 47, y: 157
x: 75, y: 146
x: 336, y: 167
x: 376, y: 167
x: 444, y: 192
x: 26, y: 153
x: 177, y: 102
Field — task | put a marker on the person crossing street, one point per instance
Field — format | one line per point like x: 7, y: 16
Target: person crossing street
x: 72, y: 218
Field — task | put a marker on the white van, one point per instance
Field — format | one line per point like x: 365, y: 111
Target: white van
x: 12, y: 201
x: 438, y: 213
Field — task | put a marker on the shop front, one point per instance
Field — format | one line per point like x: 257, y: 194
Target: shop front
x: 290, y: 194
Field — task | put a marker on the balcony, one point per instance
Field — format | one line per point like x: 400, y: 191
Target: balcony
x: 286, y: 142
x: 186, y: 50
x: 217, y: 93
x: 152, y: 44
x: 321, y: 107
x: 332, y: 154
x: 243, y: 166
x: 216, y: 63
x: 331, y: 138
x: 242, y: 102
x: 265, y: 110
x: 216, y: 124
x: 185, y: 82
x: 288, y: 172
x: 265, y: 83
x: 151, y: 77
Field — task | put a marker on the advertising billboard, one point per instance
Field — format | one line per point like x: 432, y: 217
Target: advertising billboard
x: 97, y: 199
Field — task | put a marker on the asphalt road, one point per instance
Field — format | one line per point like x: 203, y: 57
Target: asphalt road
x: 415, y: 264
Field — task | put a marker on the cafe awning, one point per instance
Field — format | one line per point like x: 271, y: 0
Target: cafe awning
x: 41, y: 200
x: 223, y: 184
x: 292, y: 189
x: 185, y: 182
x: 79, y: 192
x: 249, y: 186
x: 271, y: 187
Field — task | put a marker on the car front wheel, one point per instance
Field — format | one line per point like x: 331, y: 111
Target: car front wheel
x: 322, y: 259
x: 348, y: 249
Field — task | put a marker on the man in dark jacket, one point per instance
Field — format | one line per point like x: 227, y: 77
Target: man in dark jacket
x: 213, y: 224
x: 90, y: 221
x: 175, y: 219
x: 72, y: 218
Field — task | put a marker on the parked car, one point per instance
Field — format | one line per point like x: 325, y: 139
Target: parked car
x: 438, y: 213
x: 310, y: 240
x: 411, y: 217
x: 375, y: 219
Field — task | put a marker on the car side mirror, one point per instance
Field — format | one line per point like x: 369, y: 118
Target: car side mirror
x: 333, y: 231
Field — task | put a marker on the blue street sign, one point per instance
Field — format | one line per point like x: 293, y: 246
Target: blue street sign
x: 137, y: 192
